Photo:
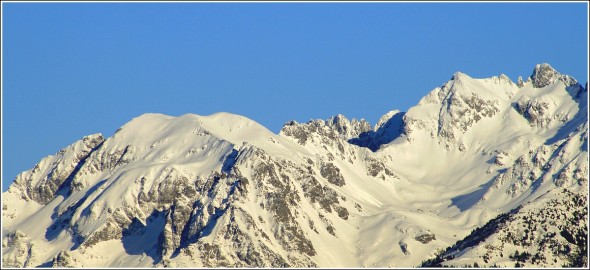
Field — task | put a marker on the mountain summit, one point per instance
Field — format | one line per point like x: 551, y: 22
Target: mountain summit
x: 481, y: 172
x: 544, y: 75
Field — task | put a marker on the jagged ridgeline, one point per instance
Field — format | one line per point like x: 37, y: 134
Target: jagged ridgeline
x: 481, y: 172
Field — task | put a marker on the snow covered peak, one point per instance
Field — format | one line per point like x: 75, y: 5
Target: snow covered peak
x: 459, y: 76
x: 385, y: 118
x: 234, y: 128
x: 503, y: 77
x: 465, y: 106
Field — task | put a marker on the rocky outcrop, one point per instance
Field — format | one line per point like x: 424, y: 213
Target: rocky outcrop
x: 18, y: 250
x: 544, y: 75
x: 335, y: 127
x: 538, y: 112
x: 460, y: 112
x: 64, y: 260
x: 56, y: 172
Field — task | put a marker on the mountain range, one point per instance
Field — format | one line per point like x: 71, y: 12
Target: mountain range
x: 481, y: 172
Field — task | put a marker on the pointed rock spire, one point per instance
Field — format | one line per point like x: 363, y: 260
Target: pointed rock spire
x: 520, y: 82
x: 544, y: 75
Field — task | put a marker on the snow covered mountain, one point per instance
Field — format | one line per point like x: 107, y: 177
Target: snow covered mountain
x: 474, y: 155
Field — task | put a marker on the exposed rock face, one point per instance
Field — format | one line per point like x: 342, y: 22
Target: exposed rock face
x: 332, y: 174
x: 222, y: 191
x: 462, y: 112
x: 535, y: 111
x: 543, y: 75
x: 46, y: 178
x: 348, y: 129
x: 63, y: 260
x: 335, y: 127
x: 425, y: 238
x: 21, y: 251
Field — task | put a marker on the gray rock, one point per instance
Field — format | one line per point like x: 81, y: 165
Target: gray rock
x: 62, y: 169
x: 544, y: 75
x: 332, y: 174
x: 425, y: 238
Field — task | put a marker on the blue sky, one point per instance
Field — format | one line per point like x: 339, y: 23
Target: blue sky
x: 73, y: 69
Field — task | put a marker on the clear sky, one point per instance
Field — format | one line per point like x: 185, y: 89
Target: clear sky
x: 73, y: 69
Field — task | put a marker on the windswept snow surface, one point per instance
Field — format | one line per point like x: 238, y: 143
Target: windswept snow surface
x: 222, y: 190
